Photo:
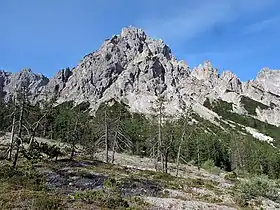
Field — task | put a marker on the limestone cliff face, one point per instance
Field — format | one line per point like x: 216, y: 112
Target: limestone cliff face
x: 12, y: 83
x: 269, y: 80
x: 136, y: 69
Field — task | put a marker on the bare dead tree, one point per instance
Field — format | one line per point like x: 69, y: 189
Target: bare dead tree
x: 115, y: 138
x: 159, y: 108
x: 182, y: 141
x: 47, y: 108
x: 13, y: 130
x: 198, y: 153
x: 103, y: 132
x: 121, y: 139
x: 167, y: 150
x: 19, y: 136
x: 106, y: 141
x: 74, y: 139
x: 34, y: 128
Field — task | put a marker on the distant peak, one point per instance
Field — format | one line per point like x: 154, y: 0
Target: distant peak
x: 26, y: 70
x: 4, y: 72
x: 132, y: 31
x: 267, y: 71
x: 206, y: 67
x: 207, y: 64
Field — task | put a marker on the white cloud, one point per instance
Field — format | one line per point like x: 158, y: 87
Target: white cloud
x: 204, y: 15
x: 262, y: 25
x: 231, y: 54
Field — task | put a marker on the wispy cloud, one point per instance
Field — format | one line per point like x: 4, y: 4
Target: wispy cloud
x: 262, y: 25
x: 231, y: 54
x: 204, y: 15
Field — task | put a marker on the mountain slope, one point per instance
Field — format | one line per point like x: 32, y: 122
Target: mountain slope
x: 136, y: 69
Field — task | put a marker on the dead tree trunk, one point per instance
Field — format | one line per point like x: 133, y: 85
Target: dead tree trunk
x: 72, y: 150
x: 159, y: 148
x: 51, y: 137
x: 106, y: 138
x: 12, y: 132
x: 180, y: 147
x: 155, y: 156
x: 34, y: 129
x: 114, y: 147
x: 167, y: 150
x: 19, y: 139
x: 198, y: 153
x: 74, y: 138
x: 116, y: 137
x: 179, y: 152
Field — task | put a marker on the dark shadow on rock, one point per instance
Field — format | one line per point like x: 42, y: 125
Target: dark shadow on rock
x: 140, y: 187
x: 69, y: 181
x: 86, y: 163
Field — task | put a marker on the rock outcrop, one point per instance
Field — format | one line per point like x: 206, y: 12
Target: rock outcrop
x: 136, y: 69
x: 269, y: 80
x: 10, y: 84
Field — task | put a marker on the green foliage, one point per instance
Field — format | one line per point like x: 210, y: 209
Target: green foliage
x: 140, y: 131
x: 109, y: 196
x: 251, y: 105
x: 224, y: 109
x: 163, y: 177
x: 253, y: 155
x: 232, y: 176
x: 26, y: 177
x: 218, y: 106
x: 139, y: 202
x: 30, y: 189
x: 89, y: 196
x: 259, y: 186
x: 45, y: 201
x: 209, y: 165
x: 205, y: 144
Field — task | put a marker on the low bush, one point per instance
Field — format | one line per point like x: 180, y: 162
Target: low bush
x: 232, y: 176
x: 48, y: 202
x: 209, y: 165
x: 109, y: 196
x: 25, y: 188
x: 259, y: 186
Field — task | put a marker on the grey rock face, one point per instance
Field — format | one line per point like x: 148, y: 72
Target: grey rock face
x: 58, y: 82
x: 4, y: 78
x: 11, y: 83
x: 136, y: 69
x: 270, y: 80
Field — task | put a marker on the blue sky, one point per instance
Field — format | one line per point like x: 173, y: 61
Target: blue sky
x: 237, y: 35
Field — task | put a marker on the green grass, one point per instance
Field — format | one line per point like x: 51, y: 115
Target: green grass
x: 25, y: 188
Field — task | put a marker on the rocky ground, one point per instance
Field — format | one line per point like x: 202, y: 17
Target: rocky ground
x: 134, y: 182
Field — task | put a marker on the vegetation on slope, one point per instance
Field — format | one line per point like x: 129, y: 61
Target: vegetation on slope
x: 114, y: 129
x: 224, y: 109
x: 251, y: 105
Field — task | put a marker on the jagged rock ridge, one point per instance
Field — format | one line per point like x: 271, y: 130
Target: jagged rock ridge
x: 136, y: 69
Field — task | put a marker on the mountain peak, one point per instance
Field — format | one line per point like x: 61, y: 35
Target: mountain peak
x: 205, y: 71
x: 207, y: 64
x: 133, y: 32
x: 269, y: 79
x: 136, y: 68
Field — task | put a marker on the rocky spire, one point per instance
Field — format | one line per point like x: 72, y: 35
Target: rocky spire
x: 269, y: 79
x: 136, y: 68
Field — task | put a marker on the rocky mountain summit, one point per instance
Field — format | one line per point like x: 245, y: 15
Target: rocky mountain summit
x: 136, y: 69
